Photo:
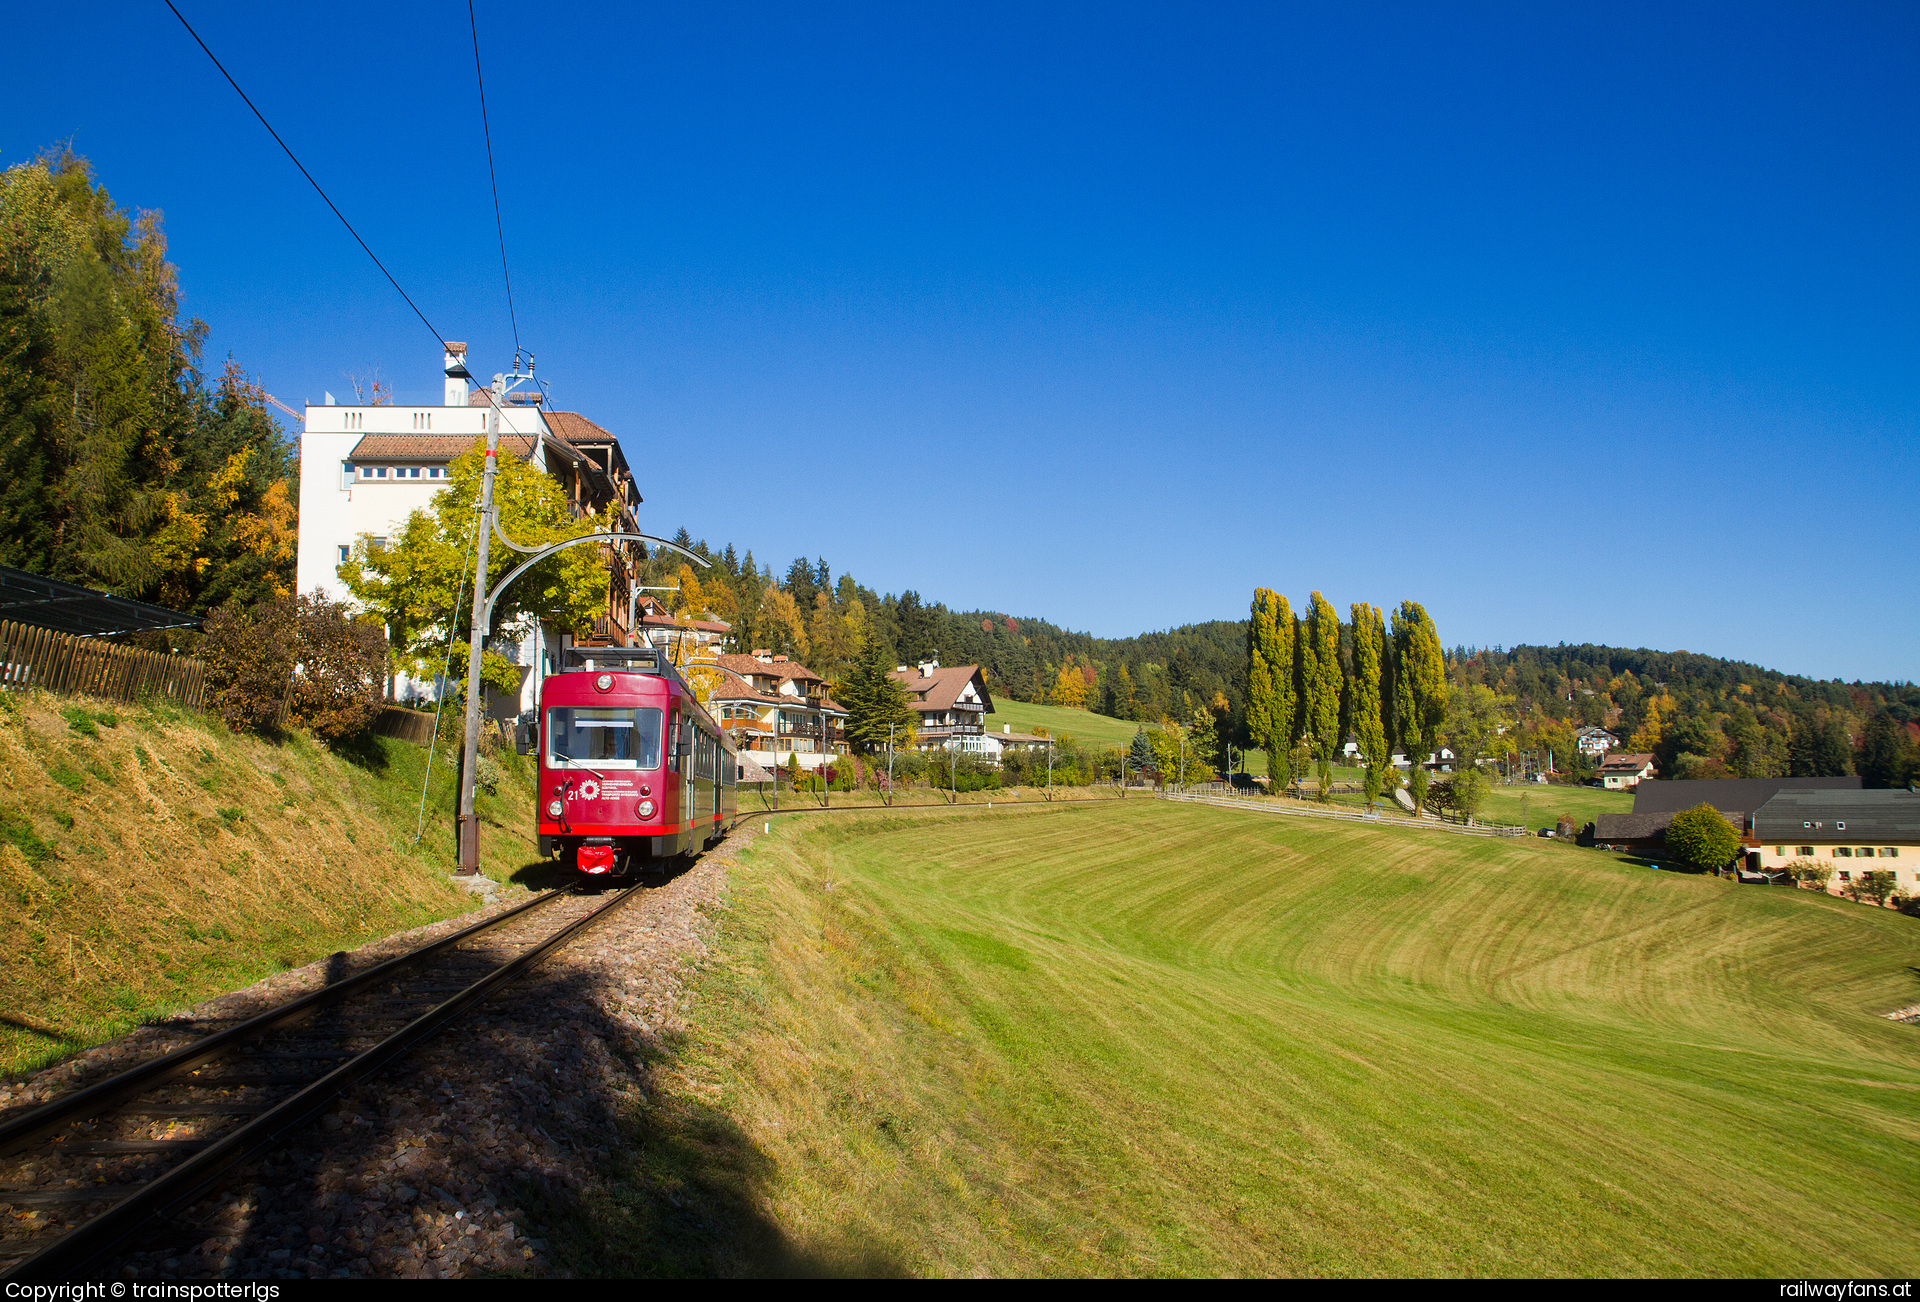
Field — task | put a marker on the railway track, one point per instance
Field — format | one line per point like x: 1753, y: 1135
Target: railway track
x: 83, y: 1173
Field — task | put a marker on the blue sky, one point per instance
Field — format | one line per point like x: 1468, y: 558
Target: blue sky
x: 1584, y: 325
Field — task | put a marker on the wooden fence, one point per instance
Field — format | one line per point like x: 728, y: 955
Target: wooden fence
x: 415, y: 726
x: 60, y: 662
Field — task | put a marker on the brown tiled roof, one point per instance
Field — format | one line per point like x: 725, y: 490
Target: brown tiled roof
x: 1628, y: 762
x: 940, y: 689
x: 746, y: 691
x: 780, y: 669
x: 575, y: 428
x: 430, y: 447
x: 704, y: 625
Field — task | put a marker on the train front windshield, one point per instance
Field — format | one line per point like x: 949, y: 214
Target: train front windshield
x: 604, y: 736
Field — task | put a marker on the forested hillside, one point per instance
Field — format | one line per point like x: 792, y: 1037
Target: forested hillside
x: 1701, y: 716
x: 122, y: 466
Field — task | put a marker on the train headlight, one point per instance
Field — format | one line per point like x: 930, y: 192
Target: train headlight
x: 646, y: 809
x: 555, y: 809
x: 604, y: 682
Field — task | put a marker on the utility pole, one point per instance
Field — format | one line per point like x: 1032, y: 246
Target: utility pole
x: 469, y: 824
x: 953, y: 771
x: 1049, y: 769
x: 1183, y: 763
x: 890, y: 765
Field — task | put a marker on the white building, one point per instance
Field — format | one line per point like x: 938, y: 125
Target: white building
x: 364, y: 469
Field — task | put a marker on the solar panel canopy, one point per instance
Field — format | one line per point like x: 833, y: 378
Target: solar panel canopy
x: 41, y: 602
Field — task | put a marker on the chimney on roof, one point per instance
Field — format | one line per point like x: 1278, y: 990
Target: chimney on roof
x: 779, y: 660
x: 761, y: 654
x: 899, y: 669
x: 1006, y: 727
x: 927, y: 667
x: 457, y: 374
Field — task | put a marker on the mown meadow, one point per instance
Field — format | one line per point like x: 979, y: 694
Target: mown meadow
x: 1146, y: 1038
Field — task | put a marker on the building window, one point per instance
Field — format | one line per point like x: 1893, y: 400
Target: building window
x: 1846, y: 876
x: 1842, y: 852
x: 345, y: 552
x: 1889, y: 852
x: 376, y: 544
x: 433, y: 472
x: 1780, y: 850
x: 1865, y: 852
x: 346, y: 474
x: 1805, y: 851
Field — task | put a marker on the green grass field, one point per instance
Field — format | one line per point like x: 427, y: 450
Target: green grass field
x: 1096, y: 730
x: 1144, y: 1038
x: 1542, y: 804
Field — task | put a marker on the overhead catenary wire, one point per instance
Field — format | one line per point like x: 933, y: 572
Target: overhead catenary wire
x: 304, y: 172
x: 439, y: 339
x: 499, y: 226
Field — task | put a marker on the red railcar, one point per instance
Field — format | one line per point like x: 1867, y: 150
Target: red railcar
x: 633, y: 771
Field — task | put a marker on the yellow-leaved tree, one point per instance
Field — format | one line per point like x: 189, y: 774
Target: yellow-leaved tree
x: 1069, y: 688
x: 420, y: 585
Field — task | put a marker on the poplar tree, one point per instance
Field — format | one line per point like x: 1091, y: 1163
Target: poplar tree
x: 1270, y: 688
x: 1419, y: 689
x: 1363, y: 694
x: 1320, y: 703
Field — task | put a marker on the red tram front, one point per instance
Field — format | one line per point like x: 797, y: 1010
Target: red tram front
x: 633, y: 771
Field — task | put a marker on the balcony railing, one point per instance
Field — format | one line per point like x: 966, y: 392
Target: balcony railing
x: 950, y: 730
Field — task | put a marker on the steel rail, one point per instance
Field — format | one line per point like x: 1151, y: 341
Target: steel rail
x: 180, y: 1187
x: 18, y: 1131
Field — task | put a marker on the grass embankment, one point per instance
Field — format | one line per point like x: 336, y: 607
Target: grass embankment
x: 1151, y: 1038
x: 1089, y: 729
x: 149, y: 859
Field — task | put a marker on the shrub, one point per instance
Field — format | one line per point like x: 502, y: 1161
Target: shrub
x: 343, y: 664
x: 1810, y: 872
x: 1873, y: 886
x: 252, y: 656
x: 1702, y: 838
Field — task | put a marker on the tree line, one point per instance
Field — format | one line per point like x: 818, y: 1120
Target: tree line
x: 123, y: 465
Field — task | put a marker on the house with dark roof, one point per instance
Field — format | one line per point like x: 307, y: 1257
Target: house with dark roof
x: 952, y: 703
x: 1849, y: 830
x: 1644, y: 831
x: 776, y: 708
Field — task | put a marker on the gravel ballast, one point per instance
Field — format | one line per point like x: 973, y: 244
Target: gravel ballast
x: 446, y: 1165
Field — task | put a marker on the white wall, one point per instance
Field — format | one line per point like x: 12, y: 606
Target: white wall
x: 333, y: 515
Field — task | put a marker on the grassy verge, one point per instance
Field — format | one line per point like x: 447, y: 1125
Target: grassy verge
x: 1140, y: 1038
x: 149, y: 858
x: 1087, y: 728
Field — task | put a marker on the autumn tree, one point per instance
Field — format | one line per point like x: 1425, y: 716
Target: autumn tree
x: 1069, y: 688
x: 1270, y: 686
x: 1419, y: 689
x: 1321, y: 679
x: 1365, y: 702
x: 120, y: 467
x: 420, y: 585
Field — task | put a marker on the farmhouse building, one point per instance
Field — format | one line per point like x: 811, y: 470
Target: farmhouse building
x: 365, y: 467
x: 952, y: 704
x: 1852, y: 831
x: 774, y: 707
x: 1644, y: 831
x: 1625, y: 772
